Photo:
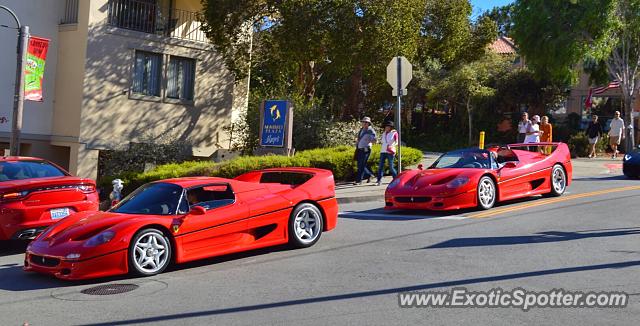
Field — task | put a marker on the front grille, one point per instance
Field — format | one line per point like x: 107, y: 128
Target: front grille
x: 44, y: 261
x: 419, y: 199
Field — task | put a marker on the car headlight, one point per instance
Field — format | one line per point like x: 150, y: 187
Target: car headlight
x: 73, y: 256
x: 100, y: 238
x: 394, y: 183
x: 627, y: 157
x: 457, y: 182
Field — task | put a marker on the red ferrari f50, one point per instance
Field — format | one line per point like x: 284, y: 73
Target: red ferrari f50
x: 479, y: 178
x: 185, y: 219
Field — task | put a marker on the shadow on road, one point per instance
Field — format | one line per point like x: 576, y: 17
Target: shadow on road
x: 542, y: 237
x: 608, y: 178
x: 379, y: 214
x: 364, y: 294
x: 9, y: 248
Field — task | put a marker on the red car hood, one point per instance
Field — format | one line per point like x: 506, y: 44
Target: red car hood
x: 433, y: 182
x: 17, y: 185
x: 436, y: 177
x: 84, y: 225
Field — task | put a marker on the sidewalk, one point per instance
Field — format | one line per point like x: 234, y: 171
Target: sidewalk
x: 368, y: 192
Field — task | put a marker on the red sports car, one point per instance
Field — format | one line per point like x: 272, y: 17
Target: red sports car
x: 35, y: 193
x: 185, y: 219
x: 480, y: 178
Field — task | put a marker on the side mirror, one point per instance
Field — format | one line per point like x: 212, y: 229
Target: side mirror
x: 510, y: 165
x: 197, y: 210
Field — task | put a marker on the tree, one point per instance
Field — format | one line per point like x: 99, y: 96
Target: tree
x: 472, y: 83
x: 305, y: 40
x: 502, y: 16
x: 578, y: 31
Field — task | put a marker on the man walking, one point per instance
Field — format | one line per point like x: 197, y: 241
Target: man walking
x: 616, y: 133
x: 366, y: 138
x: 594, y: 131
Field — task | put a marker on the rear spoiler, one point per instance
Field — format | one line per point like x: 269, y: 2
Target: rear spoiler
x: 533, y: 144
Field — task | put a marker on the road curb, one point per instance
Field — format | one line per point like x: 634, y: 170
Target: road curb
x: 360, y: 199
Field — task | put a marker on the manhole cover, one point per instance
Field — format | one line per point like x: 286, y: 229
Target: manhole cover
x: 109, y: 289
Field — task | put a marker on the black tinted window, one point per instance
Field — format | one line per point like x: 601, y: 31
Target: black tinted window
x: 152, y: 199
x: 19, y: 170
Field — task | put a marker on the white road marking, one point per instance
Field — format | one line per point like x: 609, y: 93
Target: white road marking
x: 402, y: 217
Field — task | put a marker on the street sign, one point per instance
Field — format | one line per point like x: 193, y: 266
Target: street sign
x: 399, y: 74
x: 406, y: 74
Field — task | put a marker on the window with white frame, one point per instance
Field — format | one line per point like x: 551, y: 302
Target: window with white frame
x: 181, y: 78
x: 147, y: 73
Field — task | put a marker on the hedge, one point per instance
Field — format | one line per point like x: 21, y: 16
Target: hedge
x: 337, y: 159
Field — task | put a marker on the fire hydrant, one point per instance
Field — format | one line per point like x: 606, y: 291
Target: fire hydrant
x: 116, y: 194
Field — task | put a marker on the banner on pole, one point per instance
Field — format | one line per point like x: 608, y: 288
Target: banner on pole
x: 34, y: 68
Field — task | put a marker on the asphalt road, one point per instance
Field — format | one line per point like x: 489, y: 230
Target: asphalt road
x: 588, y: 240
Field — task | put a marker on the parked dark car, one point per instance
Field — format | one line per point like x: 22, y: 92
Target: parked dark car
x: 631, y: 164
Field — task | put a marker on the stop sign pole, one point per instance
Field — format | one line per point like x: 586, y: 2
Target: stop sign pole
x: 398, y: 116
x: 399, y: 74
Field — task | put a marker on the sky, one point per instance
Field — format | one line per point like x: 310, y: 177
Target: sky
x: 480, y: 6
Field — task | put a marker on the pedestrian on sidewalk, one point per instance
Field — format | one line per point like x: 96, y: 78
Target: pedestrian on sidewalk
x: 366, y: 138
x: 616, y: 133
x: 388, y: 150
x: 547, y: 134
x: 594, y: 132
x: 533, y: 132
x: 523, y: 126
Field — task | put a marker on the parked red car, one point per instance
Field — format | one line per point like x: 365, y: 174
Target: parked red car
x: 481, y: 178
x: 35, y: 193
x: 185, y: 219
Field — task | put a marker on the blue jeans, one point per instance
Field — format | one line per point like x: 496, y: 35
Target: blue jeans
x: 386, y: 157
x: 362, y: 157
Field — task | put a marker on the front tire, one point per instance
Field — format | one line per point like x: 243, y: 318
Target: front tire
x: 558, y: 181
x: 305, y: 225
x: 486, y: 193
x: 149, y: 252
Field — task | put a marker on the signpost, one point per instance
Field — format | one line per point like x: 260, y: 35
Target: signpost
x: 399, y: 74
x: 276, y: 125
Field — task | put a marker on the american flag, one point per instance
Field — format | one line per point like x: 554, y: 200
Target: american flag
x: 602, y: 89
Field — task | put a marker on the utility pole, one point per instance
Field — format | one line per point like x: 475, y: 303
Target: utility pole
x: 18, y: 97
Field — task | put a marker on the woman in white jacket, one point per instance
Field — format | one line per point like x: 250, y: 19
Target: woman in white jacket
x: 388, y: 150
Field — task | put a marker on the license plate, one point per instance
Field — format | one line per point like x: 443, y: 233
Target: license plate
x: 59, y: 213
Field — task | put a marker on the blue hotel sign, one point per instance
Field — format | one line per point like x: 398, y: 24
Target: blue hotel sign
x: 274, y: 123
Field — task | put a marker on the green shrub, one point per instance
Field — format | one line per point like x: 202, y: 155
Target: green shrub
x: 337, y: 159
x: 579, y: 144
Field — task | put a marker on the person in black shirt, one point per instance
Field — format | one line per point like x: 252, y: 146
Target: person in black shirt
x: 594, y: 131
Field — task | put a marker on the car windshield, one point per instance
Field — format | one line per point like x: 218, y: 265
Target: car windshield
x: 19, y: 170
x: 465, y: 158
x: 152, y: 199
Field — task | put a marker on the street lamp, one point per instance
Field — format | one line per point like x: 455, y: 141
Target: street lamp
x: 18, y: 97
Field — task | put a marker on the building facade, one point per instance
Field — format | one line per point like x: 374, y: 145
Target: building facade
x: 119, y: 71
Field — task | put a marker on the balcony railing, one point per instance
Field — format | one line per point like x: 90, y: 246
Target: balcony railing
x: 148, y: 17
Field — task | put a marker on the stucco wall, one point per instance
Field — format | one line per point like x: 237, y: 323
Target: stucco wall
x: 110, y: 116
x: 70, y: 76
x: 42, y: 17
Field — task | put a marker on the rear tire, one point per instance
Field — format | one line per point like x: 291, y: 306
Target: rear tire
x: 149, y: 252
x: 486, y: 194
x: 305, y: 226
x: 558, y: 181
